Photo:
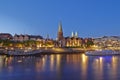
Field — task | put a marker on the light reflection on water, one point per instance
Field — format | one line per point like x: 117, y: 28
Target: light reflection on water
x: 60, y: 67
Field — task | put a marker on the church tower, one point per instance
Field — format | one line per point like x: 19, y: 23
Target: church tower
x: 60, y: 32
x: 76, y: 34
x: 72, y: 35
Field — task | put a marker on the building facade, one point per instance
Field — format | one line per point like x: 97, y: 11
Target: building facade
x: 73, y: 41
x: 26, y: 37
x: 107, y: 41
x: 5, y: 36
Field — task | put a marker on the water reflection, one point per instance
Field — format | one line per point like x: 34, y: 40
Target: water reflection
x: 60, y: 66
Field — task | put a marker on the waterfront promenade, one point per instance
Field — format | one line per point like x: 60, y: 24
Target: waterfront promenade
x: 30, y: 52
x: 23, y: 52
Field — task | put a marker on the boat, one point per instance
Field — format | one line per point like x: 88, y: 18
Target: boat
x: 22, y: 52
x: 102, y: 52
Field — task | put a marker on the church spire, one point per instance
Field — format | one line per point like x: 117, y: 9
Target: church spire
x: 76, y: 34
x: 72, y: 34
x: 60, y: 32
x: 60, y: 27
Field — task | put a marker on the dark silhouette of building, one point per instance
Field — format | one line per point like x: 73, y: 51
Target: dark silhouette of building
x: 26, y: 37
x: 5, y: 36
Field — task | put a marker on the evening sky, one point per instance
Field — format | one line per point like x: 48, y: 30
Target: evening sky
x: 90, y: 18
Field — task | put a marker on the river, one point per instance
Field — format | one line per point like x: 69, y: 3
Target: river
x: 60, y: 67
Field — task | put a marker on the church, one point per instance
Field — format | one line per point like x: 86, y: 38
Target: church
x: 72, y: 41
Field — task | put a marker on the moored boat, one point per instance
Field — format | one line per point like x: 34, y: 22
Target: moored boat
x: 22, y: 52
x: 102, y: 52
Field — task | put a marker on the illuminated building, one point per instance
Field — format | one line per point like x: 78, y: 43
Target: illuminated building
x: 107, y: 42
x: 73, y: 41
x: 60, y: 37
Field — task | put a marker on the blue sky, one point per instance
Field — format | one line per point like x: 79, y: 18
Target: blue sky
x: 90, y: 18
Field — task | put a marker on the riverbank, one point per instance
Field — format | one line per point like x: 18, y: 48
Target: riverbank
x: 63, y: 50
x: 23, y: 52
x: 40, y: 51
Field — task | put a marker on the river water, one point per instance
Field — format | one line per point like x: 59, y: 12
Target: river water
x: 60, y: 67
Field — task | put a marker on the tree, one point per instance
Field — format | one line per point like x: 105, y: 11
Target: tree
x: 89, y: 43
